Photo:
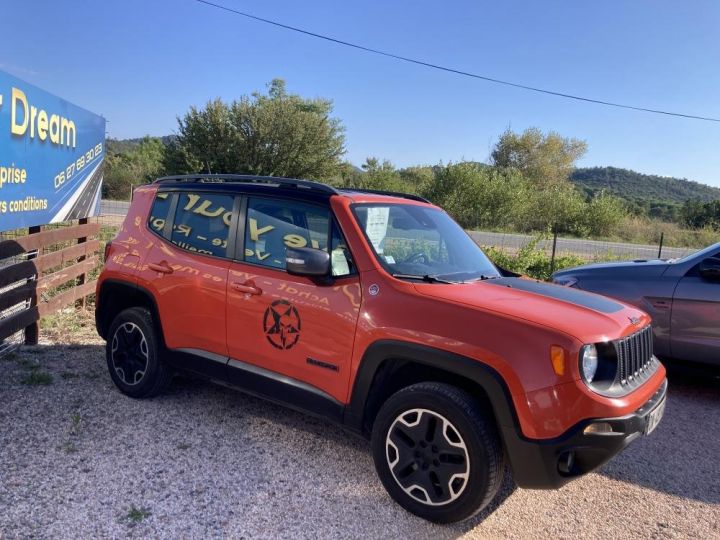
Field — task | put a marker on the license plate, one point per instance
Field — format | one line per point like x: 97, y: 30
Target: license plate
x: 654, y: 417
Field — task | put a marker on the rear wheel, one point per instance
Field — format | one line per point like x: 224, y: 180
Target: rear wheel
x: 436, y: 452
x: 133, y: 356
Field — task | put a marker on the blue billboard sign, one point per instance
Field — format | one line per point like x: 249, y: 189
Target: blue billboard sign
x: 51, y: 157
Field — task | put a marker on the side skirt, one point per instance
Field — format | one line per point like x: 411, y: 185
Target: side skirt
x: 259, y: 382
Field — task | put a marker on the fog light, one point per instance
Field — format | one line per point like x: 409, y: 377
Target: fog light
x: 598, y: 428
x: 566, y: 462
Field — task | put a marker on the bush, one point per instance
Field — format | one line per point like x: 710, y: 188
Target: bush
x: 128, y: 167
x: 647, y: 231
x: 476, y: 195
x: 531, y: 261
x: 604, y: 215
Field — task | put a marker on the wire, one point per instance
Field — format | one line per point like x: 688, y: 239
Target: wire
x: 456, y: 71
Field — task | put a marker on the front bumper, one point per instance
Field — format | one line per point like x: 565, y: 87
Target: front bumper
x: 546, y: 464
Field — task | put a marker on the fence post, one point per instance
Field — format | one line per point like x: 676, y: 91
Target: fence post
x: 552, y: 257
x: 662, y: 235
x: 32, y: 332
x: 81, y: 278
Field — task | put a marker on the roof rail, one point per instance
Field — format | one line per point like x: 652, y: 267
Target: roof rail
x: 388, y: 193
x: 249, y: 179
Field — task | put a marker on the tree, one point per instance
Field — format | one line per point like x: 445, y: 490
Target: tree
x: 698, y: 215
x: 131, y: 165
x: 604, y: 214
x: 377, y: 175
x: 543, y: 158
x: 476, y: 195
x: 277, y: 134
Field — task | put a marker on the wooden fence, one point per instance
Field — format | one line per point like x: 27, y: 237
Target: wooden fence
x: 44, y: 271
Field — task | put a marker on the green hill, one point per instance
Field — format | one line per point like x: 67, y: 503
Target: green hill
x: 658, y: 196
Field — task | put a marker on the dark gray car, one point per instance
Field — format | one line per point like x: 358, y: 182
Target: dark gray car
x: 681, y: 295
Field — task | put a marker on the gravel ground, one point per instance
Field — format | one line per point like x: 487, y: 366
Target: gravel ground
x: 78, y: 459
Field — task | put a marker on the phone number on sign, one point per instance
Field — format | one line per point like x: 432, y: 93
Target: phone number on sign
x: 78, y: 165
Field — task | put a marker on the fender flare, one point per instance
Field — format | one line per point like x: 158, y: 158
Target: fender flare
x: 101, y: 321
x: 533, y: 462
x: 391, y: 350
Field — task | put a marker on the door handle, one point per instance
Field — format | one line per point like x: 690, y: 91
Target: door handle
x: 246, y: 288
x: 162, y: 267
x: 661, y: 304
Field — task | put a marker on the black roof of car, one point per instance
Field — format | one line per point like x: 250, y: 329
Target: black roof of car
x: 309, y: 188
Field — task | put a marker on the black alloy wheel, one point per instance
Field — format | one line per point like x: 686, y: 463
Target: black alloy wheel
x: 129, y: 353
x: 427, y: 457
x: 134, y: 354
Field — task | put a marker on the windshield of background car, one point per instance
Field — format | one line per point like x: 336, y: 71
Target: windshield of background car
x: 710, y: 251
x: 422, y: 241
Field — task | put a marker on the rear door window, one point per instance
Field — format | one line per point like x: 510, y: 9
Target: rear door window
x: 159, y: 212
x: 202, y: 222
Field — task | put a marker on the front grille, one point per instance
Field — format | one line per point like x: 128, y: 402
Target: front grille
x: 635, y: 358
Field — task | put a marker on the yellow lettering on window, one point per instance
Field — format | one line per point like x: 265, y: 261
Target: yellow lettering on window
x: 203, y: 209
x: 192, y: 199
x: 294, y: 241
x: 255, y: 232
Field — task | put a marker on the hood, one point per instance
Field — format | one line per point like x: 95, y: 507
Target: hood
x: 586, y: 316
x: 648, y: 267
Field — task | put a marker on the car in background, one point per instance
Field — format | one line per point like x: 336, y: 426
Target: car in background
x: 682, y: 296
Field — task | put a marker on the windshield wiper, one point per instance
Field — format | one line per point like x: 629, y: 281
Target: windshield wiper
x: 481, y: 278
x: 427, y: 278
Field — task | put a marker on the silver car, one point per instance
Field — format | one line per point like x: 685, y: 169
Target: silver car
x: 681, y: 295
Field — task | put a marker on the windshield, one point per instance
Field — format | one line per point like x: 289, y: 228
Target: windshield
x: 418, y: 242
x: 710, y: 251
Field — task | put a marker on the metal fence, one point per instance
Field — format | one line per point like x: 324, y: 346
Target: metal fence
x: 114, y: 208
x: 112, y: 213
x: 586, y: 249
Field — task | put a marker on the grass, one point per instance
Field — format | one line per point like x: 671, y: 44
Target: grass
x: 28, y: 364
x: 70, y: 327
x: 37, y: 378
x: 34, y: 376
x: 69, y: 447
x: 136, y: 515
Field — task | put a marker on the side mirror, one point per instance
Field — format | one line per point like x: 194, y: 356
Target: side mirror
x: 710, y: 268
x: 307, y: 262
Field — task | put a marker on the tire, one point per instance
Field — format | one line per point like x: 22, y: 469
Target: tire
x: 437, y: 452
x: 133, y: 355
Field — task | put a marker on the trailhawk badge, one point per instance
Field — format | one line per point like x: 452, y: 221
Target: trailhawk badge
x: 282, y: 324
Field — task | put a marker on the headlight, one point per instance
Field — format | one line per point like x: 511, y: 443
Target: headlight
x: 588, y: 362
x: 598, y: 365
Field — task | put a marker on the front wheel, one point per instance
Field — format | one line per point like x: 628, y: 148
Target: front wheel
x: 132, y: 353
x: 437, y: 452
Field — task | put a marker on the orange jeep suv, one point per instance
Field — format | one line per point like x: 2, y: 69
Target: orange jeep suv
x: 377, y: 311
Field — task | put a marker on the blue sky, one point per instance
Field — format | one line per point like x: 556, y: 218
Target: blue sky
x: 142, y: 63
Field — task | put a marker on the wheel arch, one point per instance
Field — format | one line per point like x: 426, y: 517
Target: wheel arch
x: 114, y: 296
x: 389, y: 365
